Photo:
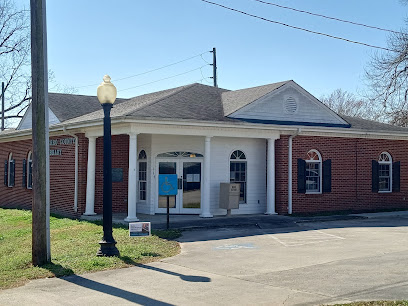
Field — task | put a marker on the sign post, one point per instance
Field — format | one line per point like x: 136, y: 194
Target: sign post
x: 168, y: 187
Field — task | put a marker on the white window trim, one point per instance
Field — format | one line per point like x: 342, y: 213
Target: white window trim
x: 143, y: 160
x: 29, y: 158
x: 246, y: 171
x: 381, y: 162
x: 320, y: 172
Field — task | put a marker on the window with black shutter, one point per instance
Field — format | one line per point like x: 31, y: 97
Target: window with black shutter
x: 301, y: 169
x: 30, y: 171
x: 24, y: 181
x: 12, y: 166
x: 374, y: 176
x: 396, y: 169
x: 6, y: 173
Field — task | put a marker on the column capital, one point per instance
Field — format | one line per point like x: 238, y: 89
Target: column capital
x: 208, y: 138
x: 91, y: 137
x: 132, y: 134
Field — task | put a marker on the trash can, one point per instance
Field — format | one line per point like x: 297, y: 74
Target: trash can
x: 229, y: 196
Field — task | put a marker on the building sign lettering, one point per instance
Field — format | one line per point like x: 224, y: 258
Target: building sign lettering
x: 61, y: 141
x: 55, y: 152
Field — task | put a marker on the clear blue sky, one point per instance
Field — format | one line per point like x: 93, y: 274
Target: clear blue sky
x: 87, y: 39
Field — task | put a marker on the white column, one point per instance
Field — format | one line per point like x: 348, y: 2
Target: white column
x: 270, y: 188
x: 90, y: 177
x: 132, y: 179
x: 205, y: 206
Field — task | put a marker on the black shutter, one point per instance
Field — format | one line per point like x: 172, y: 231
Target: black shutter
x: 6, y: 173
x: 12, y: 172
x: 327, y: 175
x: 301, y: 176
x: 24, y: 182
x: 30, y: 174
x: 374, y: 176
x: 396, y: 176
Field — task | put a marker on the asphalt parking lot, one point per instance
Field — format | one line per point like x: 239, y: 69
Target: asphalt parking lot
x: 309, y: 263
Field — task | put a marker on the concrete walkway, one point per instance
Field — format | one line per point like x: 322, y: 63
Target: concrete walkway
x: 309, y: 263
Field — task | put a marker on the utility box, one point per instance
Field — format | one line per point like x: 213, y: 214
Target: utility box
x: 229, y: 196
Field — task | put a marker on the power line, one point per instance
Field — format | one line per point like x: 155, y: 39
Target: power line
x: 298, y: 28
x: 153, y: 70
x: 328, y: 17
x: 173, y: 76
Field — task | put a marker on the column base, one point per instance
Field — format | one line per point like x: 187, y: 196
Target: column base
x: 107, y: 249
x: 131, y: 219
x: 270, y: 213
x: 89, y: 214
x: 206, y: 215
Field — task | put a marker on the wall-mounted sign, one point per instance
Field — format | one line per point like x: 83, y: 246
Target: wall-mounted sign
x: 167, y: 184
x: 137, y: 229
x: 55, y: 152
x: 117, y: 175
x: 62, y: 141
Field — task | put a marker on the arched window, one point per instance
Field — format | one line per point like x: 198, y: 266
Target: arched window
x: 238, y: 172
x: 313, y: 172
x: 30, y: 170
x: 385, y: 172
x: 142, y: 175
x: 9, y: 171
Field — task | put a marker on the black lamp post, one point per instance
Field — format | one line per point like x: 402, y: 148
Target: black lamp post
x: 106, y: 95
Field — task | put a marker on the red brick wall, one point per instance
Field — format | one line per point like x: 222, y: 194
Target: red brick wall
x: 351, y: 174
x: 62, y: 176
x: 120, y: 159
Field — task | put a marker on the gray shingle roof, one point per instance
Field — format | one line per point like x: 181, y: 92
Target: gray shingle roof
x: 234, y: 100
x: 67, y: 106
x: 372, y: 126
x: 191, y: 102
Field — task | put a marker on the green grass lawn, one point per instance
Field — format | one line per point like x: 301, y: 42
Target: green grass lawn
x: 73, y: 248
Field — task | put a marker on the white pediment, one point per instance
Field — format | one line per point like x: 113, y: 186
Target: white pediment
x: 27, y: 123
x: 289, y: 104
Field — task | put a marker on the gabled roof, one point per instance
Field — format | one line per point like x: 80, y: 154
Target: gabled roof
x: 191, y: 102
x: 195, y: 101
x: 235, y: 100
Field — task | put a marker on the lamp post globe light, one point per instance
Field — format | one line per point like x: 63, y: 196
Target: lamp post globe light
x: 106, y: 95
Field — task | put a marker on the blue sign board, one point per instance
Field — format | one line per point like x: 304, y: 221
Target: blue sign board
x: 167, y: 184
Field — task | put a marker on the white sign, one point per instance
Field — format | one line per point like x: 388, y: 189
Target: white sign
x: 138, y: 229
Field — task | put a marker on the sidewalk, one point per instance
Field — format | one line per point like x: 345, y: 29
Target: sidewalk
x: 190, y: 222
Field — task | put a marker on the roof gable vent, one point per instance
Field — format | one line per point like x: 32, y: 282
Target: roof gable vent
x: 290, y: 105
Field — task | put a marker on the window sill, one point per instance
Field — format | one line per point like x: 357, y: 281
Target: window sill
x: 313, y: 192
x: 384, y: 191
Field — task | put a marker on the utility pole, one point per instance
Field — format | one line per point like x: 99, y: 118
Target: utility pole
x: 214, y: 64
x: 41, y: 253
x: 2, y: 106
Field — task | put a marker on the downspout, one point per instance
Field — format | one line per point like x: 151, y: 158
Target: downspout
x: 290, y: 170
x: 76, y: 168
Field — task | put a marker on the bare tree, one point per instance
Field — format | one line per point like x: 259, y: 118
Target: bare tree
x: 387, y: 75
x: 346, y: 103
x: 14, y: 58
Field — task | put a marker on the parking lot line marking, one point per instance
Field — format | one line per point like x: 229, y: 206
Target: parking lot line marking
x: 335, y: 236
x: 278, y: 240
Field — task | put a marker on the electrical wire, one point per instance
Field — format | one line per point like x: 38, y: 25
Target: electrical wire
x: 153, y: 70
x: 328, y: 17
x: 298, y: 28
x: 173, y: 76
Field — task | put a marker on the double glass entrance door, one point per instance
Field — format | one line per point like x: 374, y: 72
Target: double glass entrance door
x: 188, y: 198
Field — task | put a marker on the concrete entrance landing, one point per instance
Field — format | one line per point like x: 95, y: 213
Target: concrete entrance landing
x: 186, y: 222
